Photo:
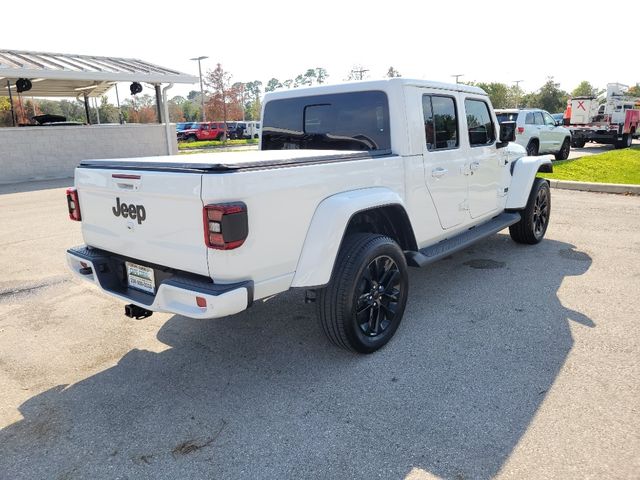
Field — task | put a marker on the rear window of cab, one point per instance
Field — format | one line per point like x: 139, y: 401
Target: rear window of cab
x: 340, y: 121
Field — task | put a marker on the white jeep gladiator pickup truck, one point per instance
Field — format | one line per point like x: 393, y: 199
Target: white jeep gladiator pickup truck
x: 353, y: 183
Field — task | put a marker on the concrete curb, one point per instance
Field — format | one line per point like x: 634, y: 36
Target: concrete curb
x: 595, y: 187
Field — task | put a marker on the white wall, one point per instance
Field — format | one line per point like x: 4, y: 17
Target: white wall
x: 34, y: 153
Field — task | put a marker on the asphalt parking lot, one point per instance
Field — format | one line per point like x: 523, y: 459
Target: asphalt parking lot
x: 592, y: 149
x: 511, y: 362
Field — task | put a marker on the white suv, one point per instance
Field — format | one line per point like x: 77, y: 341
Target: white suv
x: 538, y: 132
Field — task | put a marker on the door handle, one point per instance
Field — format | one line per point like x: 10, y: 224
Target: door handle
x: 439, y: 172
x: 473, y: 166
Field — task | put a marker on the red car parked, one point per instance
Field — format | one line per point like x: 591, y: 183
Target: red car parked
x: 203, y: 131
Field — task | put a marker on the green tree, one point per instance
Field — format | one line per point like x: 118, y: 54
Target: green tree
x: 253, y: 90
x: 299, y: 81
x: 176, y: 113
x: 515, y: 96
x: 358, y: 72
x: 253, y: 106
x: 550, y: 97
x: 309, y: 77
x: 254, y: 110
x: 287, y: 83
x: 272, y: 84
x: 499, y: 93
x: 73, y: 110
x: 585, y: 89
x: 108, y: 112
x: 5, y: 112
x: 393, y: 73
x: 634, y: 91
x: 321, y: 75
x: 190, y: 111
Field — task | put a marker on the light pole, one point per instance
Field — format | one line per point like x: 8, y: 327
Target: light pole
x: 204, y: 117
x: 458, y: 76
x: 517, y: 82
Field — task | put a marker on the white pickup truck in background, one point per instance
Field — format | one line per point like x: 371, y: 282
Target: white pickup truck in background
x: 353, y: 184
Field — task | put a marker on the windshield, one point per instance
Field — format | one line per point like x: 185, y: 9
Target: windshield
x: 185, y: 125
x: 341, y: 121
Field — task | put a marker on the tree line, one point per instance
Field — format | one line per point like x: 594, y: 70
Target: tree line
x: 227, y: 100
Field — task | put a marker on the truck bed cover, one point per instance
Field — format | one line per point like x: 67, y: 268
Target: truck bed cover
x: 227, y: 162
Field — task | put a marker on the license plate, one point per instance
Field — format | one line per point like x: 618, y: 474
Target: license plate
x: 140, y: 277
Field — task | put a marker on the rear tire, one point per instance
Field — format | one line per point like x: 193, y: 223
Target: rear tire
x: 579, y: 143
x: 626, y: 141
x: 535, y: 217
x: 563, y: 154
x: 362, y: 306
x: 532, y: 148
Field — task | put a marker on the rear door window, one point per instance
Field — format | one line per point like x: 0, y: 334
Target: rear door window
x: 538, y: 118
x: 440, y: 122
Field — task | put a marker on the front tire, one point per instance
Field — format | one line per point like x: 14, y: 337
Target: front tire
x: 362, y: 306
x: 535, y: 217
x: 563, y: 153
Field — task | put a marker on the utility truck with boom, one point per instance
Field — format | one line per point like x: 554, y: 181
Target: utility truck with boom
x: 353, y: 184
x: 613, y: 119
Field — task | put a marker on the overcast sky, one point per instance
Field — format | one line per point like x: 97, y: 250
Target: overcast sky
x: 487, y: 41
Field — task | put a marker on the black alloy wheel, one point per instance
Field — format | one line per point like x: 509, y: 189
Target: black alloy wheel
x: 378, y: 295
x: 535, y: 217
x: 362, y: 306
x: 541, y: 213
x: 564, y: 151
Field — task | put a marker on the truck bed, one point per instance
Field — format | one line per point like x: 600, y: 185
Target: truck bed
x: 227, y: 162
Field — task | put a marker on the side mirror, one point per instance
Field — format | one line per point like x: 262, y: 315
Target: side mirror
x: 559, y: 123
x: 507, y: 134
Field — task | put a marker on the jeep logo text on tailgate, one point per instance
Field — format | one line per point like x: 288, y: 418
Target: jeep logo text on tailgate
x: 131, y: 211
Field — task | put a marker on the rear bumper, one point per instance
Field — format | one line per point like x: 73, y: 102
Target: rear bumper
x: 176, y: 291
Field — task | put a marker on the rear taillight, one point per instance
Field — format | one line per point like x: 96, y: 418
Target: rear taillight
x: 73, y: 204
x: 226, y: 225
x: 521, y: 130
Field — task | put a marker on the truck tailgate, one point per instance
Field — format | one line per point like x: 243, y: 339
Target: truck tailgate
x: 152, y: 216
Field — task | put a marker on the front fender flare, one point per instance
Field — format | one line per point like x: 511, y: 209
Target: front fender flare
x: 327, y: 228
x: 524, y: 173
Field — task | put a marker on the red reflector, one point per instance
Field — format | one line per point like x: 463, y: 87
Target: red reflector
x: 201, y: 302
x: 125, y: 176
x: 520, y: 129
x: 73, y: 204
x: 216, y: 239
x: 83, y: 264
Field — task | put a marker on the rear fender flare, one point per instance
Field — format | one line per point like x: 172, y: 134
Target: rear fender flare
x: 327, y: 229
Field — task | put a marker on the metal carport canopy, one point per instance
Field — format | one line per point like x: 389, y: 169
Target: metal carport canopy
x: 68, y: 75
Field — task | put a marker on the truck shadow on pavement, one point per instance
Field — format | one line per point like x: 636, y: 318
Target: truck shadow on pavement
x: 264, y: 395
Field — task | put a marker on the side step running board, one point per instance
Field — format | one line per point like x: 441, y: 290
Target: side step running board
x: 461, y: 241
